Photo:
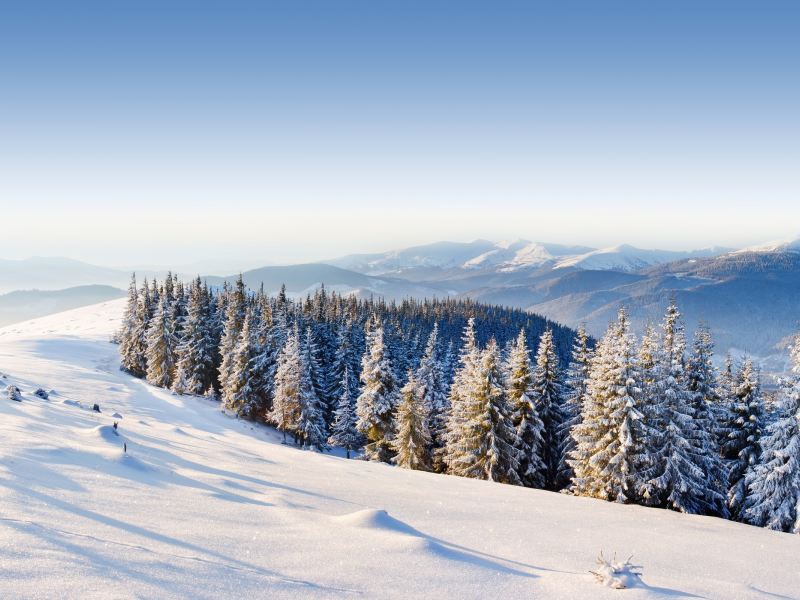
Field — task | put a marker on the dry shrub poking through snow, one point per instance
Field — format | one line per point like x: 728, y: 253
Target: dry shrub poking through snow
x: 616, y: 575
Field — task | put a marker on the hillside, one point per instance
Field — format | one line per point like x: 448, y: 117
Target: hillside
x: 19, y: 306
x: 203, y: 505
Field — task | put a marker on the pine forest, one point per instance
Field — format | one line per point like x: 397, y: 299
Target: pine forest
x: 467, y: 389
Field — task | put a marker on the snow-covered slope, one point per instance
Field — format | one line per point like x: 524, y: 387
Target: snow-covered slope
x: 628, y: 258
x: 512, y: 255
x: 206, y: 506
x: 788, y: 244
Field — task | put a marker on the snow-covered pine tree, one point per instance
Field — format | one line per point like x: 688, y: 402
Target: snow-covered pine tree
x: 344, y: 356
x: 487, y: 448
x: 412, y: 443
x: 316, y: 374
x: 606, y: 440
x: 377, y: 400
x: 134, y: 347
x: 161, y: 345
x: 547, y: 396
x: 743, y: 447
x: 288, y: 386
x: 126, y: 335
x: 530, y: 430
x: 311, y: 417
x: 774, y: 483
x: 344, y: 432
x: 710, y: 417
x: 454, y: 453
x: 197, y: 345
x: 577, y: 378
x: 235, y: 309
x: 676, y: 457
x: 430, y: 379
x: 239, y: 392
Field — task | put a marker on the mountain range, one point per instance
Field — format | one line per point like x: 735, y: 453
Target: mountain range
x: 750, y: 297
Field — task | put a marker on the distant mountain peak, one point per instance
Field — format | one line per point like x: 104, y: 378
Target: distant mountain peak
x: 787, y: 244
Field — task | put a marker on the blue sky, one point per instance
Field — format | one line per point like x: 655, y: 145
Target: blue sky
x: 169, y: 131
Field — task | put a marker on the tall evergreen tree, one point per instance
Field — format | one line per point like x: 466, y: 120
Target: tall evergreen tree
x: 547, y: 396
x: 161, y: 345
x: 430, y: 380
x: 488, y: 443
x: 678, y: 459
x: 774, y: 482
x: 607, y: 441
x: 376, y: 403
x: 743, y: 446
x: 344, y: 432
x: 235, y: 310
x: 132, y: 335
x: 576, y: 387
x: 457, y: 425
x: 137, y: 351
x: 529, y: 427
x: 239, y: 391
x: 311, y: 417
x: 413, y: 440
x: 288, y: 386
x: 710, y: 417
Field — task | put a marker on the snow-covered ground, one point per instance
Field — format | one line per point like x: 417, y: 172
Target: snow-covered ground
x: 206, y: 506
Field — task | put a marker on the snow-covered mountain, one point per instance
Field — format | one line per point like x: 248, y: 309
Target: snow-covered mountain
x: 787, y: 244
x: 205, y: 505
x: 628, y: 258
x: 509, y: 256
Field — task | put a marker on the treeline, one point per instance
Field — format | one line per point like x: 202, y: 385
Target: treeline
x: 450, y: 387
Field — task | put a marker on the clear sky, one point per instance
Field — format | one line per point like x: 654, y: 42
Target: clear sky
x: 171, y: 132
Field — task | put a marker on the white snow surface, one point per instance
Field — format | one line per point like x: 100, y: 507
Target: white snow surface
x: 787, y: 244
x: 629, y: 258
x: 207, y: 506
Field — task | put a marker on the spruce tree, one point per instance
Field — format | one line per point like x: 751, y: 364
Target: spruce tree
x: 239, y: 392
x: 577, y: 378
x: 488, y: 440
x: 529, y: 427
x: 547, y: 396
x: 430, y: 379
x: 456, y: 426
x: 344, y: 432
x: 195, y: 362
x: 413, y: 440
x: 376, y: 402
x: 126, y: 336
x: 161, y: 345
x: 133, y: 349
x: 607, y: 442
x: 774, y: 483
x: 235, y: 309
x: 288, y: 386
x: 311, y: 416
x: 743, y: 446
x: 677, y: 456
x: 710, y: 416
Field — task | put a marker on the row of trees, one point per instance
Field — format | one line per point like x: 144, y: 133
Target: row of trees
x: 654, y: 423
x: 649, y: 422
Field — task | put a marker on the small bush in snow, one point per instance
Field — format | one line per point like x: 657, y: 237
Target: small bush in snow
x: 616, y: 575
x: 41, y: 394
x: 14, y: 393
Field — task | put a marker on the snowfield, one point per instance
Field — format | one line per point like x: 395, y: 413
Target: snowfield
x: 206, y: 506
